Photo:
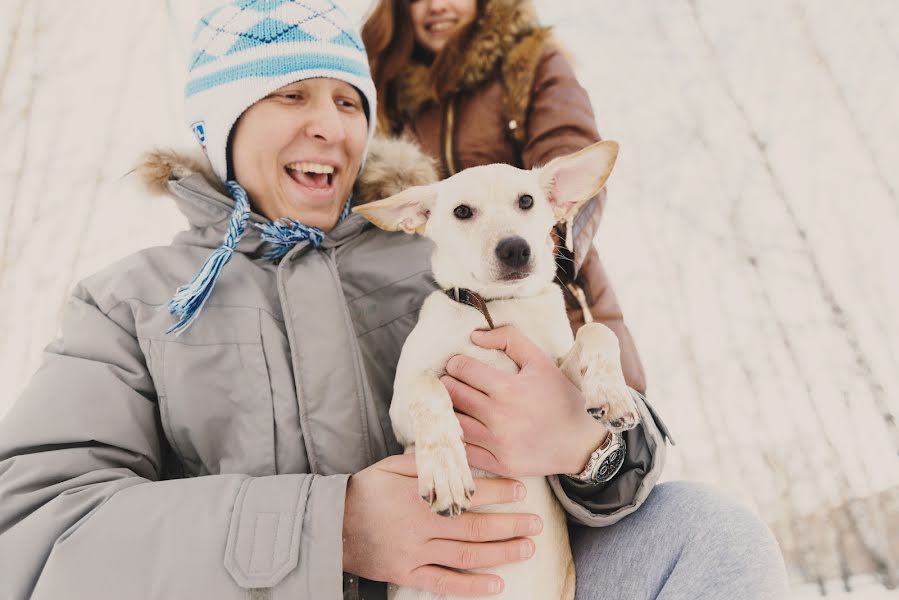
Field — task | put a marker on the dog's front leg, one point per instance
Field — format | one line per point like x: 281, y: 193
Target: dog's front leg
x: 594, y: 365
x: 422, y: 414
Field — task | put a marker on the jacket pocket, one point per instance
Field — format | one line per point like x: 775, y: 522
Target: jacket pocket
x: 216, y: 398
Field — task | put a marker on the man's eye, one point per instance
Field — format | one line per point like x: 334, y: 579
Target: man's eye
x: 462, y: 212
x: 292, y: 96
x: 348, y: 103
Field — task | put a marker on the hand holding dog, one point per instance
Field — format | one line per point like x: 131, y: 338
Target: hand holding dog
x: 530, y: 423
x: 389, y: 534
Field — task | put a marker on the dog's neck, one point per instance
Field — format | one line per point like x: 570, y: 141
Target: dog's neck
x: 473, y: 299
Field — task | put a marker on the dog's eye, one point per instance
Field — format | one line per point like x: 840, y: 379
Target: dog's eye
x: 525, y: 202
x: 462, y: 212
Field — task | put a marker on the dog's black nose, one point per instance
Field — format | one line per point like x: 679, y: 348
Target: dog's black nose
x: 513, y: 252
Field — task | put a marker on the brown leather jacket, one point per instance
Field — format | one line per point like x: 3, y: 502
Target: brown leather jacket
x: 515, y: 99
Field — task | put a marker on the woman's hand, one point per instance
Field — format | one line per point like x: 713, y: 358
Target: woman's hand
x: 390, y: 534
x: 530, y: 423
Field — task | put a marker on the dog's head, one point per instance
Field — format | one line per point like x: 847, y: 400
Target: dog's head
x: 491, y: 224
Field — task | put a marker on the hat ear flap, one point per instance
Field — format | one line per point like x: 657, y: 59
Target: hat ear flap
x: 406, y: 211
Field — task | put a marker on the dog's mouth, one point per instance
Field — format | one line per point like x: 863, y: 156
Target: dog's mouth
x: 514, y: 276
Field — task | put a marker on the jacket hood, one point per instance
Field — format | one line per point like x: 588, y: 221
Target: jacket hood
x: 502, y: 28
x: 392, y: 165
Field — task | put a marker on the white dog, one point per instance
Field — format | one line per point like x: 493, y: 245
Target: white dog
x: 491, y: 229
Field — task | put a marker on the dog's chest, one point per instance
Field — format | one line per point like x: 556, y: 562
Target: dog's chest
x: 543, y: 321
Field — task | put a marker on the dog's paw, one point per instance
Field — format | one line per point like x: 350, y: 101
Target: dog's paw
x: 444, y: 477
x: 613, y: 405
x: 602, y: 380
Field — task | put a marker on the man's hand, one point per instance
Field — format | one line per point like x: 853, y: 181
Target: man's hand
x: 390, y: 534
x: 530, y: 423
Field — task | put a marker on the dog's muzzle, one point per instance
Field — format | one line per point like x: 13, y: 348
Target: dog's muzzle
x: 514, y: 253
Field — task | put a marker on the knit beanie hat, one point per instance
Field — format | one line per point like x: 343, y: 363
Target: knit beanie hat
x: 246, y: 49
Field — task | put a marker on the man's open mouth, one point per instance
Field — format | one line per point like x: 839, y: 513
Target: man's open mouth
x: 312, y: 175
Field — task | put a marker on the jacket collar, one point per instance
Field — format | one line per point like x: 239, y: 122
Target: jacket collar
x: 392, y: 165
x: 498, y: 29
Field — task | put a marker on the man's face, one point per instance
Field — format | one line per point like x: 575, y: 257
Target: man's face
x: 434, y: 22
x: 297, y: 151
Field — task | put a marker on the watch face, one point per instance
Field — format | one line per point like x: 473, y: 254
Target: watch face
x: 610, y: 465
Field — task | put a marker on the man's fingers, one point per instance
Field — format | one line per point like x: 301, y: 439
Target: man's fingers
x: 476, y: 374
x: 491, y: 527
x: 497, y: 491
x: 465, y: 398
x: 446, y: 582
x: 473, y: 431
x: 462, y: 555
x: 481, y: 458
x: 401, y: 464
x: 510, y: 340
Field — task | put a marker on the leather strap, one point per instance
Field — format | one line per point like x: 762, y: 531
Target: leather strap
x: 466, y: 296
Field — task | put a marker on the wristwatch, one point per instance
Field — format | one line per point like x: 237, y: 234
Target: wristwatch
x: 605, y: 462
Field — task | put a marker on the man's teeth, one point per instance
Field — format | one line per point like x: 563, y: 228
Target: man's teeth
x: 307, y: 167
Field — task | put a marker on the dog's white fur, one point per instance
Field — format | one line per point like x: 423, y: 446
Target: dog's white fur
x: 465, y: 257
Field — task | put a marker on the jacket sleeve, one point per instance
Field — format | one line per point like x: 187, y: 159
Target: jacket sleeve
x: 599, y: 505
x: 84, y: 512
x: 560, y: 121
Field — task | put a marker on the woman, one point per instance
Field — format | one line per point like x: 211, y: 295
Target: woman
x: 477, y: 82
x: 205, y: 451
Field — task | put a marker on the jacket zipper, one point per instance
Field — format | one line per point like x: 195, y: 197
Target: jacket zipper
x: 448, y: 124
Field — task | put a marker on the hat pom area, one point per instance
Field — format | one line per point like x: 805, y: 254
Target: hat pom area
x: 189, y: 299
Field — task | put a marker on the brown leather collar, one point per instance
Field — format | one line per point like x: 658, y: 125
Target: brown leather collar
x: 465, y: 296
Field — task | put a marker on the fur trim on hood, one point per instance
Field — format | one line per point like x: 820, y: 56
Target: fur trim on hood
x: 392, y: 165
x: 507, y: 28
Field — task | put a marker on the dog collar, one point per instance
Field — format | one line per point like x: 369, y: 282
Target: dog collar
x: 465, y: 296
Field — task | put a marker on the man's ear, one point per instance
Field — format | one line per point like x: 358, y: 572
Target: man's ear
x: 571, y: 180
x: 407, y: 211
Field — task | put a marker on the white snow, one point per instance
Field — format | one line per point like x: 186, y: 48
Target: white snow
x: 752, y: 229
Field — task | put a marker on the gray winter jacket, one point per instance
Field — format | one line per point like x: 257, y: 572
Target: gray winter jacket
x: 143, y: 465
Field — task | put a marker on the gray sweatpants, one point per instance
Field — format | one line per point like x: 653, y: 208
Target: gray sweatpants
x: 687, y: 542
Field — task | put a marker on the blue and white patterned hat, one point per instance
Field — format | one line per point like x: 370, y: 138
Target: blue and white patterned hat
x: 246, y: 49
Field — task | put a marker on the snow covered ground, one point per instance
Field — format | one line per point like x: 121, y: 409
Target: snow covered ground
x: 752, y: 230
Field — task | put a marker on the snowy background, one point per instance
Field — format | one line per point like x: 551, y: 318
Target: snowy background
x: 752, y: 230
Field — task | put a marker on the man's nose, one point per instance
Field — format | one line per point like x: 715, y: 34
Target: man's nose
x: 513, y: 252
x: 324, y: 122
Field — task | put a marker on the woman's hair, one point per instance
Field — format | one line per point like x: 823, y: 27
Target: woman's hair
x: 390, y: 42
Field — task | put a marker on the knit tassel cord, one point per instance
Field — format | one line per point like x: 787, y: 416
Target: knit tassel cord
x: 286, y: 233
x: 283, y: 235
x: 189, y: 299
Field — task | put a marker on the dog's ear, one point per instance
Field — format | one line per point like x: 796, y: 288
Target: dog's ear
x: 407, y: 211
x: 571, y: 180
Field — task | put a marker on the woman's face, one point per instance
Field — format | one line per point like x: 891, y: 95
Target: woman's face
x: 435, y: 21
x: 297, y: 151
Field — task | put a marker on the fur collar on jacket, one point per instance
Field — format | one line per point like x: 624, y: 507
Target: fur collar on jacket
x: 507, y: 28
x: 392, y: 165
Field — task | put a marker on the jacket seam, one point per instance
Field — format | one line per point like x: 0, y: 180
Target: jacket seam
x: 271, y: 397
x: 305, y: 429
x: 357, y: 366
x: 388, y: 322
x: 154, y: 305
x: 389, y: 285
